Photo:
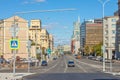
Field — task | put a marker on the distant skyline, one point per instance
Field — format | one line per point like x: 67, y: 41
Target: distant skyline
x: 60, y: 24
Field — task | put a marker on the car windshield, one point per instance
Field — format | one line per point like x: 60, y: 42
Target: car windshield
x: 44, y: 62
x: 71, y: 62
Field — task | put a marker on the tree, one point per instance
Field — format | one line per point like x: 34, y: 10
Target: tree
x: 38, y: 56
x: 97, y: 49
x: 87, y: 50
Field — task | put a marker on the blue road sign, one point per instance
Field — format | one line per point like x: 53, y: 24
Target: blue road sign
x: 14, y: 44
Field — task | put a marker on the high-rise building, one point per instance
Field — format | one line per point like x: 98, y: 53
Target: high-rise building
x: 110, y: 35
x: 117, y: 45
x: 82, y: 36
x: 76, y: 37
x: 40, y: 37
x: 94, y: 33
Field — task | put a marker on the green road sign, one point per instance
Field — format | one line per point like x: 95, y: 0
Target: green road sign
x: 49, y: 51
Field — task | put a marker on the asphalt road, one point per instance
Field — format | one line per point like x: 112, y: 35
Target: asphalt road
x: 83, y: 70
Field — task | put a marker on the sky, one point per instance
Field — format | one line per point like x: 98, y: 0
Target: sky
x: 60, y: 24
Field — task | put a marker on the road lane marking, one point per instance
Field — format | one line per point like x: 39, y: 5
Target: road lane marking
x: 45, y: 70
x: 80, y: 67
x: 65, y: 66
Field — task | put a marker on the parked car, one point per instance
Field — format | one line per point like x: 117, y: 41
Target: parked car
x: 98, y: 58
x: 44, y: 63
x: 71, y: 63
x: 106, y: 60
x: 2, y: 61
x: 54, y: 58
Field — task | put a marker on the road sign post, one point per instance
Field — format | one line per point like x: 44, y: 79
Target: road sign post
x: 29, y: 46
x: 103, y: 50
x: 14, y: 43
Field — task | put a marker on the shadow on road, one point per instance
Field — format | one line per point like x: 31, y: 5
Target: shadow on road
x: 71, y: 76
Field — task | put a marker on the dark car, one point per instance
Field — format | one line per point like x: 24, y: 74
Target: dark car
x: 44, y: 63
x: 54, y: 58
x: 71, y: 63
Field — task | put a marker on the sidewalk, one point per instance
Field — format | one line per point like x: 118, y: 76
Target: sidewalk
x: 10, y: 76
x: 114, y: 73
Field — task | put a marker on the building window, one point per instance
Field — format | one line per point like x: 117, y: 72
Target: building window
x: 113, y: 31
x: 113, y: 20
x: 113, y: 25
x: 106, y: 44
x: 106, y: 32
x: 113, y: 38
x: 113, y: 44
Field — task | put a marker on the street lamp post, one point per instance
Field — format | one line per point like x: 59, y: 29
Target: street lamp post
x: 103, y: 7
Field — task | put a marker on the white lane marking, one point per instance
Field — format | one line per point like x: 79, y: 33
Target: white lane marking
x: 80, y: 67
x: 51, y: 68
x: 65, y: 66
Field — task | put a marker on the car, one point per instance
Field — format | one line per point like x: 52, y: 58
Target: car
x: 71, y: 63
x: 2, y: 60
x: 44, y: 63
x: 54, y: 58
x: 90, y: 57
x: 78, y: 57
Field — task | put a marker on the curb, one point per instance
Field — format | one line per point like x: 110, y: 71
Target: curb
x: 113, y: 73
x: 10, y: 76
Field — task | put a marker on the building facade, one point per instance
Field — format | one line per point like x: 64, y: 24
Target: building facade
x: 82, y: 36
x: 76, y: 37
x: 110, y: 35
x: 67, y: 48
x: 7, y: 35
x: 40, y: 37
x: 117, y: 45
x: 93, y: 35
x: 51, y: 42
x: 1, y: 37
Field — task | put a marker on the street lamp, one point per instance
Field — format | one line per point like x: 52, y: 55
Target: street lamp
x: 103, y: 7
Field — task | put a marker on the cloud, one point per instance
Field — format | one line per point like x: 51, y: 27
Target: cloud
x: 40, y: 0
x: 50, y: 25
x: 33, y: 1
x: 65, y: 27
x: 25, y: 2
